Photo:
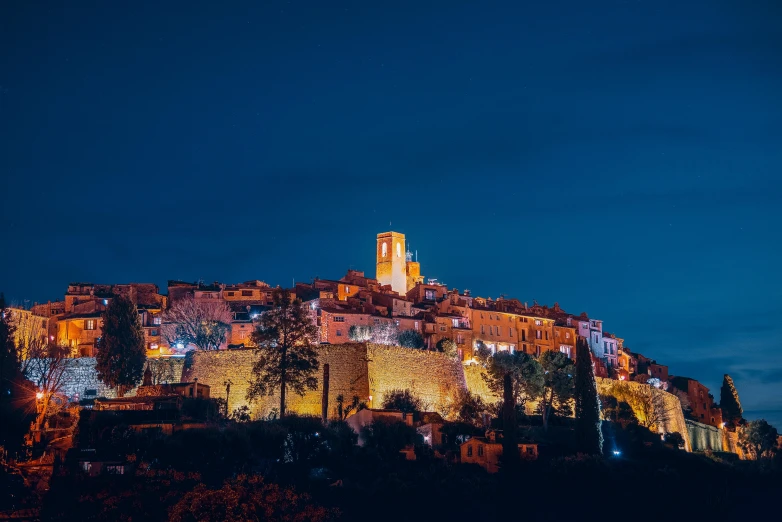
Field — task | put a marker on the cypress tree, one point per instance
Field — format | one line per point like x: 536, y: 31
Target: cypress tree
x: 589, y: 438
x: 121, y: 352
x: 510, y: 449
x: 729, y: 402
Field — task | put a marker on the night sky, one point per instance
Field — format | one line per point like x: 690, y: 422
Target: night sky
x: 622, y: 158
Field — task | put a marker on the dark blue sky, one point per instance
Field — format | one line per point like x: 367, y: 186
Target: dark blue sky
x: 623, y: 158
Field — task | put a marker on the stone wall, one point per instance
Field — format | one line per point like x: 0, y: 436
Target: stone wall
x: 80, y: 375
x: 704, y: 437
x: 432, y: 376
x: 674, y: 419
x: 355, y: 369
x: 347, y: 376
x: 473, y: 374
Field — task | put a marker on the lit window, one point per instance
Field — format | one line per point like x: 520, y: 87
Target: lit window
x: 89, y: 324
x: 538, y: 322
x: 156, y: 320
x: 385, y: 249
x: 398, y: 250
x: 538, y: 334
x: 416, y: 325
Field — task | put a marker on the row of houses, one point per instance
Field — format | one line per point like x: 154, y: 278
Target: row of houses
x: 346, y: 309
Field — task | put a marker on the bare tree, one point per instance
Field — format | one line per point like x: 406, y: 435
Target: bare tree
x: 162, y: 371
x: 385, y: 333
x: 30, y: 332
x: 200, y: 324
x: 650, y: 406
x: 48, y: 368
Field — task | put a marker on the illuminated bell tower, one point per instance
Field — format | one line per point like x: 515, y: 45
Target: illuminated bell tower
x: 391, y: 261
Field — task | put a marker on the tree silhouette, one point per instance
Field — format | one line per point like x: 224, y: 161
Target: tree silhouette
x: 121, y: 352
x: 588, y: 435
x: 286, y: 356
x: 729, y: 403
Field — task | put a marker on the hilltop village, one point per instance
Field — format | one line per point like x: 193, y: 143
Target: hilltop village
x: 357, y: 308
x: 404, y: 373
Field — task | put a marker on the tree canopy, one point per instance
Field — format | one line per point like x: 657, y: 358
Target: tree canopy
x: 121, y: 351
x: 287, y: 358
x: 402, y: 400
x: 411, y: 339
x: 525, y: 371
x: 558, y: 383
x: 758, y: 439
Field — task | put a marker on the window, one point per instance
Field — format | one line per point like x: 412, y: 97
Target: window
x: 430, y: 295
x: 469, y: 451
x: 524, y: 348
x: 564, y: 349
x: 538, y: 334
x: 156, y: 319
x: 89, y: 324
x: 229, y: 294
x: 538, y: 322
x: 398, y: 249
x: 339, y: 333
x: 530, y: 450
x: 347, y: 289
x: 416, y: 325
x: 460, y: 339
x: 537, y: 351
x: 482, y: 330
x: 524, y: 335
x: 247, y: 293
x: 605, y: 347
x: 443, y: 328
x: 510, y: 331
x: 153, y: 332
x: 567, y: 335
x: 339, y: 319
x: 384, y: 249
x: 480, y: 451
x: 242, y: 335
x: 512, y: 348
x: 547, y: 335
x: 376, y: 321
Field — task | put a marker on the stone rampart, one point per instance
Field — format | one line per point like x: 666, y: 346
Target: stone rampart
x: 347, y: 376
x: 704, y: 437
x: 432, y: 376
x: 80, y: 376
x: 671, y: 414
x: 473, y: 375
